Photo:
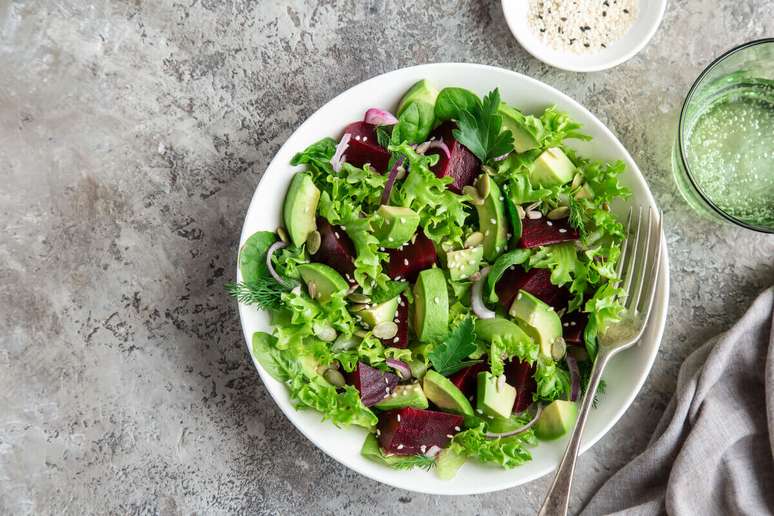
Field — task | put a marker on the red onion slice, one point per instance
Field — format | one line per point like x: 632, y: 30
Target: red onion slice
x: 572, y: 365
x: 490, y: 435
x: 422, y: 148
x: 402, y: 368
x: 391, y: 181
x: 376, y: 116
x: 338, y: 157
x: 279, y: 244
x: 477, y: 297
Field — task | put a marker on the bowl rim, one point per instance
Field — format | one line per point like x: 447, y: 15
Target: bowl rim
x: 658, y: 324
x: 538, y: 51
x: 681, y: 142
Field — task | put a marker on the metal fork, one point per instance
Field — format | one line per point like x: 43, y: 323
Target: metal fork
x: 640, y: 259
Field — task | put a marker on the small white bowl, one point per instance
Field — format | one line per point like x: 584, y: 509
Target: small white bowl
x: 648, y: 19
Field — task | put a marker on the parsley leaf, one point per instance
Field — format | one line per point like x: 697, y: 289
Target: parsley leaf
x: 479, y: 129
x: 449, y: 356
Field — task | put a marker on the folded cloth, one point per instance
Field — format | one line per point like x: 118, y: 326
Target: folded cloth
x: 712, y: 451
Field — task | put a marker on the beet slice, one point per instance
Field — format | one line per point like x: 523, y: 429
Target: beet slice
x: 407, y: 261
x: 537, y: 232
x: 401, y: 319
x: 374, y: 385
x: 364, y: 147
x: 462, y: 166
x: 573, y: 326
x: 465, y: 379
x: 535, y: 281
x: 519, y: 375
x: 409, y: 431
x: 336, y: 249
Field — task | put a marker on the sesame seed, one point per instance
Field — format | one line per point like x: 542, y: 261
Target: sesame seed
x: 479, y: 411
x: 386, y: 380
x: 387, y: 390
x: 396, y: 339
x: 562, y: 230
x: 381, y: 249
x: 471, y: 262
x: 378, y: 432
x: 450, y: 436
x: 390, y: 239
x: 397, y: 321
x: 403, y: 220
x: 398, y: 418
x: 436, y: 299
x: 405, y: 262
x: 397, y: 278
x: 565, y: 324
x: 572, y: 323
x: 548, y: 222
x: 336, y: 234
x: 400, y: 446
x: 423, y: 448
x: 457, y: 428
x: 365, y: 138
x: 493, y: 221
x: 502, y: 198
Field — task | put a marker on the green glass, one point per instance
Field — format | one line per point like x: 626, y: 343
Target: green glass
x: 723, y: 160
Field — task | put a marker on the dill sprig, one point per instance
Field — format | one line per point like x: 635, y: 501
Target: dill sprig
x: 576, y: 217
x: 413, y: 461
x: 265, y: 293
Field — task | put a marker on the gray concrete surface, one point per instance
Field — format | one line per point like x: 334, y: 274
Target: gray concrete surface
x: 132, y: 135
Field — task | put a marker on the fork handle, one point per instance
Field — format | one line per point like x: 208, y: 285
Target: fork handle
x: 558, y: 497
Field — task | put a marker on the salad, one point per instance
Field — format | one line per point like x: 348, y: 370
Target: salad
x: 440, y: 279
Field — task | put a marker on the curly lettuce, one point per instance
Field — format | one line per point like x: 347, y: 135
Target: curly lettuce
x: 507, y: 452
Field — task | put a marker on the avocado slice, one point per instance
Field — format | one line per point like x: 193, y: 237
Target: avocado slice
x: 492, y: 221
x: 445, y: 394
x: 464, y: 262
x: 538, y: 320
x: 396, y: 226
x: 383, y: 312
x: 447, y: 463
x: 300, y: 208
x: 513, y: 122
x: 552, y: 168
x: 494, y: 398
x: 404, y: 396
x: 500, y: 328
x: 556, y: 420
x: 321, y: 280
x: 431, y: 305
x: 422, y: 92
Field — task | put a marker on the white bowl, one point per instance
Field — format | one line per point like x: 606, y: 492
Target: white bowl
x: 649, y: 18
x: 626, y: 373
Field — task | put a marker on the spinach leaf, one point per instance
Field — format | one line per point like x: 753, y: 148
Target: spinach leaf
x: 515, y: 257
x: 453, y: 101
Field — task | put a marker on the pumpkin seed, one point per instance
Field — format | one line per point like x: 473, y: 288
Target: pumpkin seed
x: 576, y: 181
x: 534, y: 215
x: 311, y: 287
x: 313, y: 242
x: 584, y: 192
x: 472, y: 192
x: 282, y: 234
x: 361, y: 333
x: 474, y: 239
x: 334, y: 377
x: 356, y: 297
x: 559, y: 213
x: 484, y: 186
x: 521, y: 212
x: 325, y: 332
x: 345, y: 343
x: 401, y: 173
x: 385, y: 330
x: 558, y: 348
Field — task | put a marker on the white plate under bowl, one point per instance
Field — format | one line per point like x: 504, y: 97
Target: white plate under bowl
x: 649, y: 18
x: 626, y: 373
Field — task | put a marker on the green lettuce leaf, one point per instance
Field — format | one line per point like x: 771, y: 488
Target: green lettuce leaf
x: 553, y: 382
x: 507, y: 452
x: 372, y: 451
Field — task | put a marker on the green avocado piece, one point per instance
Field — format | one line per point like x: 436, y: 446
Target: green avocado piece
x: 321, y: 280
x: 493, y: 397
x: 556, y: 420
x: 464, y: 262
x: 404, y: 396
x: 445, y: 394
x: 500, y: 328
x: 300, y: 208
x: 512, y: 121
x: 396, y: 225
x: 538, y: 320
x: 422, y: 92
x: 431, y: 305
x: 492, y: 221
x: 552, y: 168
x: 383, y: 312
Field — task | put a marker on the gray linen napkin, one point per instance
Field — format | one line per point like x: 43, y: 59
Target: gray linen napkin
x: 712, y: 452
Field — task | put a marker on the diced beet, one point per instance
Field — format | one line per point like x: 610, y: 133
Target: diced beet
x: 535, y: 281
x: 537, y: 232
x: 374, y: 385
x: 364, y: 147
x: 336, y: 249
x: 409, y: 431
x: 573, y: 326
x: 465, y: 379
x: 408, y: 261
x: 519, y: 375
x: 463, y: 166
x: 402, y: 316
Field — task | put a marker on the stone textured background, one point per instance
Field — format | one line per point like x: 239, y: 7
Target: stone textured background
x: 132, y: 135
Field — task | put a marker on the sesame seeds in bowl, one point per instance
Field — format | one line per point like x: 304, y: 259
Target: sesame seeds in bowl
x: 583, y: 35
